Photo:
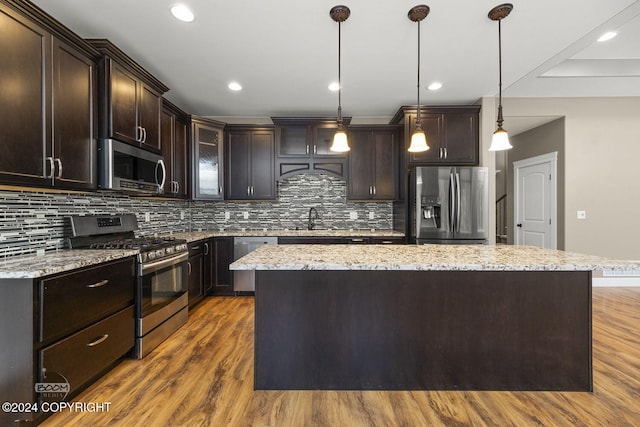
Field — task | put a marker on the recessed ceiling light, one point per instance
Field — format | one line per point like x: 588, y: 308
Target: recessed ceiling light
x: 182, y: 13
x: 334, y: 86
x: 235, y: 86
x: 434, y: 86
x: 607, y: 36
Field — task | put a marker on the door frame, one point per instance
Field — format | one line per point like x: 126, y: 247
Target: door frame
x: 552, y: 159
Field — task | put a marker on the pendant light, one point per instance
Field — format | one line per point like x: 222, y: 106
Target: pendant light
x: 340, y: 142
x: 418, y: 137
x: 500, y: 140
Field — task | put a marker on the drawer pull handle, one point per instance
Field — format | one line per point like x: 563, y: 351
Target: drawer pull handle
x: 98, y: 284
x: 98, y: 341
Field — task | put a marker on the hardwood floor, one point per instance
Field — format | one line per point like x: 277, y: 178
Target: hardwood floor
x: 203, y: 376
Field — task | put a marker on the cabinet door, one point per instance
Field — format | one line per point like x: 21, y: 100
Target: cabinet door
x: 149, y: 108
x: 462, y: 138
x: 384, y: 165
x: 207, y: 169
x: 322, y: 140
x: 124, y: 96
x: 293, y: 141
x: 432, y: 125
x: 222, y: 277
x: 238, y: 170
x: 361, y: 160
x: 74, y: 106
x: 262, y: 165
x: 167, y: 135
x: 23, y: 84
x: 195, y: 278
x: 180, y: 169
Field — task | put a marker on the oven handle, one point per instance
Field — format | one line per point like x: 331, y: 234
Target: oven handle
x: 158, y: 265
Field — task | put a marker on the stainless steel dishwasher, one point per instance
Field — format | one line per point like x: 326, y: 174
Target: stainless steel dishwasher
x: 244, y: 280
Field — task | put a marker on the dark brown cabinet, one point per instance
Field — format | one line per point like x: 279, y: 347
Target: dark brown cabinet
x: 174, y: 125
x: 218, y: 277
x: 302, y: 145
x: 196, y: 277
x: 131, y: 99
x: 207, y: 159
x: 49, y: 99
x: 250, y: 163
x: 452, y: 134
x: 373, y: 163
x: 70, y: 327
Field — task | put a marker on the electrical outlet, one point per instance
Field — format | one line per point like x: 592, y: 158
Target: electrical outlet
x: 147, y: 216
x: 582, y: 214
x: 227, y: 215
x: 353, y: 215
x: 181, y: 215
x: 245, y: 215
x: 371, y: 215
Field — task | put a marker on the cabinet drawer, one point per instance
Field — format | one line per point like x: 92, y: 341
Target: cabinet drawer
x: 69, y: 302
x: 82, y: 356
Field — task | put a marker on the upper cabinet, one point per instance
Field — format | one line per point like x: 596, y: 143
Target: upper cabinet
x: 174, y: 127
x: 49, y: 99
x: 302, y: 145
x: 250, y: 163
x: 131, y: 99
x: 207, y: 159
x: 452, y: 134
x: 373, y: 163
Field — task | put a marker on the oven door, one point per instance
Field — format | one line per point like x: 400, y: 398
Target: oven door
x: 161, y: 283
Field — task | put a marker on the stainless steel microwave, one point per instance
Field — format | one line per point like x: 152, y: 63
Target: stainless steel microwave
x: 126, y: 168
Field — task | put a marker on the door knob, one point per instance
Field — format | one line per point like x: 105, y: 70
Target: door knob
x: 518, y: 225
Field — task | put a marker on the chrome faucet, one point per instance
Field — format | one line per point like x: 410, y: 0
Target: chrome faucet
x: 313, y: 215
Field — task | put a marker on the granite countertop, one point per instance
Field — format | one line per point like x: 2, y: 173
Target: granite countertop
x: 422, y: 257
x: 35, y: 266
x: 200, y: 235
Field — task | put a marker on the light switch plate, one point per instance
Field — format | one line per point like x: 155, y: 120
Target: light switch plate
x: 245, y: 215
x: 227, y: 215
x: 353, y: 215
x: 147, y: 216
x: 582, y: 214
x: 371, y: 215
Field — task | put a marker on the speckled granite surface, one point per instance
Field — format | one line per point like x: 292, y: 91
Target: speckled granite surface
x: 31, y: 267
x: 423, y: 257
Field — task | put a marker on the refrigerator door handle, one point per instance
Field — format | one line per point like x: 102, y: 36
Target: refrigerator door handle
x: 451, y: 202
x: 457, y: 202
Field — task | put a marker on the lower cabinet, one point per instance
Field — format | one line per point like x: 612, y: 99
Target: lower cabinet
x: 67, y: 329
x: 220, y: 277
x: 79, y: 358
x: 196, y: 272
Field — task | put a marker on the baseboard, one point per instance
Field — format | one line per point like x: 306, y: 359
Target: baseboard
x: 615, y: 281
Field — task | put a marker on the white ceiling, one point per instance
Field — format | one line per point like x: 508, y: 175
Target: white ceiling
x: 285, y: 53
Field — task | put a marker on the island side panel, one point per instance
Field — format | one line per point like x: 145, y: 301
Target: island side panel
x: 423, y: 330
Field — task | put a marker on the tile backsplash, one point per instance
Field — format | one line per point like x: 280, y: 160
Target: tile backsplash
x: 35, y: 222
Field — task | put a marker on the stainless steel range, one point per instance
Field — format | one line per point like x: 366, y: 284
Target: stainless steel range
x: 161, y: 283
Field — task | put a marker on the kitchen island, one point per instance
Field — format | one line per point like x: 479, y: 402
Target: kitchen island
x: 387, y: 317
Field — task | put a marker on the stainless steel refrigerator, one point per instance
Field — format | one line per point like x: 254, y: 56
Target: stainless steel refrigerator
x: 450, y: 204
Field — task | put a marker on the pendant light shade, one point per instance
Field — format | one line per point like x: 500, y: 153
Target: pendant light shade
x: 500, y: 140
x: 340, y: 142
x: 418, y: 141
x: 418, y: 137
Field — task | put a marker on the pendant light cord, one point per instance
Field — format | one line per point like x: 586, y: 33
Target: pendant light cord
x: 339, y: 81
x: 500, y: 119
x: 418, y: 116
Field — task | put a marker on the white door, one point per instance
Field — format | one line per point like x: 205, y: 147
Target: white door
x: 535, y: 201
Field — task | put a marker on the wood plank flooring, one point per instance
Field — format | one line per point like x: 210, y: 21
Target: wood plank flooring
x: 203, y: 376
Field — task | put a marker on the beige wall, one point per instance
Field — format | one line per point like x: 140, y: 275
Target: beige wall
x: 602, y: 169
x: 543, y: 139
